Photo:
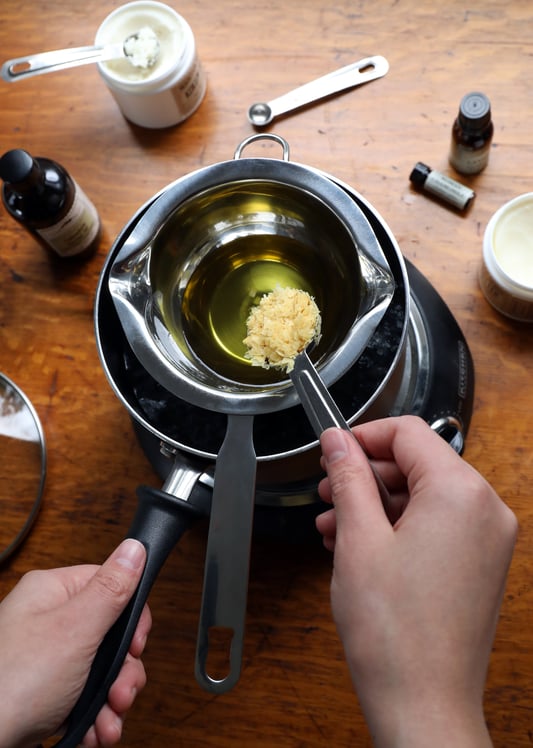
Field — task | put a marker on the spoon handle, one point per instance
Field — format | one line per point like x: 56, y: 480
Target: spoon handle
x: 223, y: 610
x: 363, y: 71
x: 322, y: 410
x: 59, y: 59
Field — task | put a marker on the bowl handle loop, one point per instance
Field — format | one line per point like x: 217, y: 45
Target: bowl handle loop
x: 263, y: 136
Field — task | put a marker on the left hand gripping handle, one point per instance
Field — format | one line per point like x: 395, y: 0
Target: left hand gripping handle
x: 160, y: 521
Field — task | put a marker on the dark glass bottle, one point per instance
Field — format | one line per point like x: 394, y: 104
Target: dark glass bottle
x: 41, y: 195
x: 472, y: 134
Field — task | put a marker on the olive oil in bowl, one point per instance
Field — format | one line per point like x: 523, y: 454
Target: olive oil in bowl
x: 224, y: 249
x: 218, y: 298
x: 216, y: 302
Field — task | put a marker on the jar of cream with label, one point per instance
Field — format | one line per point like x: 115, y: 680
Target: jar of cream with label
x: 506, y: 275
x: 157, y: 88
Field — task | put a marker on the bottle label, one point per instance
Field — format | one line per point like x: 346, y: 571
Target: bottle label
x: 469, y: 160
x: 76, y: 230
x: 448, y: 189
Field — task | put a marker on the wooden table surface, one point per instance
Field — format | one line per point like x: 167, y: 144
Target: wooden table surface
x: 294, y: 690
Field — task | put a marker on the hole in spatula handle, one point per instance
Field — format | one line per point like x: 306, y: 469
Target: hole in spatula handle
x: 218, y: 664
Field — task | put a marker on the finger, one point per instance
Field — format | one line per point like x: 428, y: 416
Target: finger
x: 395, y: 482
x: 130, y: 681
x: 90, y: 740
x: 352, y: 483
x: 391, y: 474
x: 108, y: 727
x: 396, y: 505
x: 399, y: 440
x: 141, y: 632
x: 97, y: 606
x: 326, y: 523
x: 324, y: 490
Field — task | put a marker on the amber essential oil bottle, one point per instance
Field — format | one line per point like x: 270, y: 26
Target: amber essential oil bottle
x: 472, y: 133
x: 41, y: 195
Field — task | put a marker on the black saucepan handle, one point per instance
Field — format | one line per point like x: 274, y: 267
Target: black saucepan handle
x: 160, y: 521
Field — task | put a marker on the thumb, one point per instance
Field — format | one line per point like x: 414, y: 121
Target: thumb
x: 98, y: 605
x: 353, y: 487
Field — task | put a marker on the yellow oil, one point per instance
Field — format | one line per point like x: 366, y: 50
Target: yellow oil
x: 223, y: 288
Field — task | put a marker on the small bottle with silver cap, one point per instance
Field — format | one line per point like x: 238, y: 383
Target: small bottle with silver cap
x: 472, y: 134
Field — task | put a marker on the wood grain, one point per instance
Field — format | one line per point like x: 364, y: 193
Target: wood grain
x: 295, y: 691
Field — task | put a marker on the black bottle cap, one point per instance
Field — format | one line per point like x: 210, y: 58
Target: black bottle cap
x: 419, y: 174
x: 474, y: 110
x: 15, y: 166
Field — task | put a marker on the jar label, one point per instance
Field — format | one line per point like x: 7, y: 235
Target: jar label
x: 190, y: 90
x: 76, y: 230
x: 502, y: 300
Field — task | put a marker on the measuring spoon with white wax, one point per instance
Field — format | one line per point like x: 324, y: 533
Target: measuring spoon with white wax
x: 281, y: 330
x: 140, y: 48
x: 355, y: 74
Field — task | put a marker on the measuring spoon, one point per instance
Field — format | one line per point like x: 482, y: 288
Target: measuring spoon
x: 363, y: 71
x: 323, y: 412
x: 59, y: 59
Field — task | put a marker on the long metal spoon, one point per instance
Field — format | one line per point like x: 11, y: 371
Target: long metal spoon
x: 363, y: 71
x: 322, y: 411
x: 59, y: 59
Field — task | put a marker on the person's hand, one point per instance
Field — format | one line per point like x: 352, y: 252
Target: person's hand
x: 415, y: 602
x: 51, y: 625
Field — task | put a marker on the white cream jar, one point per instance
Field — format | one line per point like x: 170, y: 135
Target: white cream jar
x: 506, y: 276
x: 167, y: 92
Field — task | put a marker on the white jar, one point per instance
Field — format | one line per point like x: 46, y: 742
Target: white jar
x: 171, y: 90
x: 506, y: 275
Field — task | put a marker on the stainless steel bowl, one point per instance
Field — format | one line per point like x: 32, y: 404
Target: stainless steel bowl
x: 215, y: 241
